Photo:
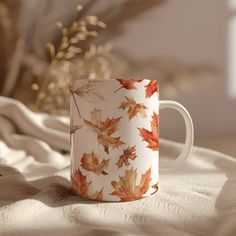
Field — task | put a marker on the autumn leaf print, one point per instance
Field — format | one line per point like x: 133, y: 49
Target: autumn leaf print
x: 104, y: 130
x: 75, y: 102
x: 155, y: 186
x: 151, y: 137
x: 89, y: 91
x: 127, y: 84
x: 98, y: 196
x: 151, y: 88
x: 73, y: 127
x: 90, y: 162
x: 129, y: 153
x: 133, y: 107
x: 80, y: 184
x: 126, y: 188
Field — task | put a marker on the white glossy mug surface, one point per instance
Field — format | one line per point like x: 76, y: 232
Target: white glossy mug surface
x: 115, y: 138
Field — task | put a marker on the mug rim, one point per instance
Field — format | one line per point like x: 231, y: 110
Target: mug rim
x: 113, y: 79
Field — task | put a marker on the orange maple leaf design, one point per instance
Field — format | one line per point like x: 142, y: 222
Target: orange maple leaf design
x: 129, y: 153
x: 126, y: 189
x: 90, y: 162
x: 133, y: 107
x: 104, y: 130
x: 151, y: 88
x: 151, y: 137
x: 127, y: 84
x: 80, y: 184
x: 98, y: 195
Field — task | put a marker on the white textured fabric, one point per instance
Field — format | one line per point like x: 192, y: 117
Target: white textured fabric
x: 35, y: 199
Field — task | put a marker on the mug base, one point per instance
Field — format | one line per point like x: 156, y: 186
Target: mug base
x: 90, y: 199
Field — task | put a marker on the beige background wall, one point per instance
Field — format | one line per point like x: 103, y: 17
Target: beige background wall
x: 194, y: 32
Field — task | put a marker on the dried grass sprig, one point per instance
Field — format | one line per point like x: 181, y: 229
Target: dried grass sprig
x: 96, y: 63
x: 53, y: 87
x: 79, y: 30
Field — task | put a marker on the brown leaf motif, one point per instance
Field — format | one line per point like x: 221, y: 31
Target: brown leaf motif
x: 73, y: 127
x: 151, y: 88
x: 155, y: 186
x: 126, y: 188
x: 90, y: 162
x: 127, y: 84
x: 129, y: 153
x: 133, y: 107
x: 89, y: 90
x: 151, y: 137
x: 104, y: 130
x: 98, y: 196
x: 80, y: 184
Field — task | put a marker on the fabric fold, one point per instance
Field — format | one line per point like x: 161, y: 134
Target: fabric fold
x: 199, y: 198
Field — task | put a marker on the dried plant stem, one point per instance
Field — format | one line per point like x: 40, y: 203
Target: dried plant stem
x: 42, y: 95
x: 15, y: 67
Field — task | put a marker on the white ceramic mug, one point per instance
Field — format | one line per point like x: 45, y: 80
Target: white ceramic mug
x: 115, y: 139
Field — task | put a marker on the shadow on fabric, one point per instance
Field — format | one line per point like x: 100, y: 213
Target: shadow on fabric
x: 55, y: 193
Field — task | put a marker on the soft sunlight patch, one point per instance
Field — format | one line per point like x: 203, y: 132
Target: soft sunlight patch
x: 232, y: 49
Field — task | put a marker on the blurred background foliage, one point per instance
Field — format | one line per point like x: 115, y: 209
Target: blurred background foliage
x: 47, y: 44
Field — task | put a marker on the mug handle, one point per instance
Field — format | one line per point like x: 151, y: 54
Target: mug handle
x: 189, y: 135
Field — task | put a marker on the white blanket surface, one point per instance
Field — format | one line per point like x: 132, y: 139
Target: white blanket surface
x: 198, y: 198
